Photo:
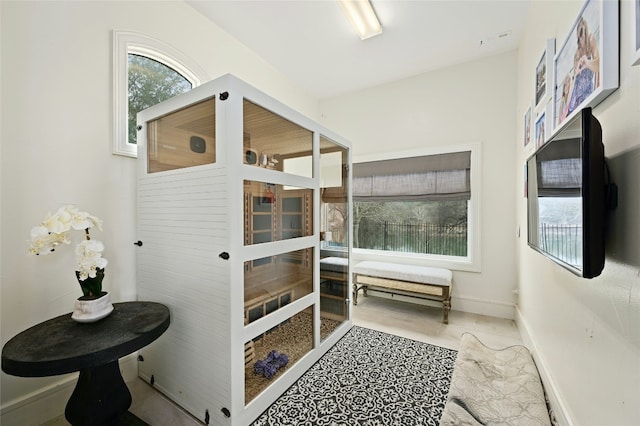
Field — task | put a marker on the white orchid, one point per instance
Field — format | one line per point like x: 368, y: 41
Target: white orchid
x: 44, y: 242
x: 89, y: 258
x: 54, y: 230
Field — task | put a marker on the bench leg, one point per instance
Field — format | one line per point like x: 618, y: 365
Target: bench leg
x: 355, y: 294
x: 446, y: 306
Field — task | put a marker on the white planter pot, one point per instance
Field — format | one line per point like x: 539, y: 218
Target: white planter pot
x: 92, y: 310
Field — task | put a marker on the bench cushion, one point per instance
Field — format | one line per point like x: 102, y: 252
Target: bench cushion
x: 411, y: 273
x: 334, y: 264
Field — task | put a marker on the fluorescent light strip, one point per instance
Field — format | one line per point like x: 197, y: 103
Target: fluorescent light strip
x: 362, y: 17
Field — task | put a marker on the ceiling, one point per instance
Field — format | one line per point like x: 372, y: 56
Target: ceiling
x: 312, y: 43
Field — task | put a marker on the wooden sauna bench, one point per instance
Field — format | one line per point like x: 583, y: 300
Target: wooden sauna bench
x: 265, y: 293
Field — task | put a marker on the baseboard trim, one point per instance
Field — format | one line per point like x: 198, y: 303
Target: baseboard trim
x: 49, y: 402
x: 559, y: 407
x: 492, y: 308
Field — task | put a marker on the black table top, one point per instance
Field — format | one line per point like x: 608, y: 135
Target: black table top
x: 62, y: 345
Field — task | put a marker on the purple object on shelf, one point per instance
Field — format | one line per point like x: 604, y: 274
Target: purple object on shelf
x: 269, y: 366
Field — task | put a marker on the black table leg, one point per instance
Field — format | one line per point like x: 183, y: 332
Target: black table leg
x: 100, y: 398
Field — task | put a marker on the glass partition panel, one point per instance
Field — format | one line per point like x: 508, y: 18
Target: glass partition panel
x: 184, y: 138
x: 273, y: 282
x: 334, y: 253
x: 274, y: 213
x: 268, y: 355
x: 270, y: 140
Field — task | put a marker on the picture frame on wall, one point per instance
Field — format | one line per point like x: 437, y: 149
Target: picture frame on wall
x: 635, y: 26
x: 586, y: 64
x: 540, y: 129
x: 543, y: 73
x: 527, y: 127
x: 526, y: 180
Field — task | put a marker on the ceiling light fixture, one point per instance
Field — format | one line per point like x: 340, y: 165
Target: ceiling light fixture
x: 362, y: 17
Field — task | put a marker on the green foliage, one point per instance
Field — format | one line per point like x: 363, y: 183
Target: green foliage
x: 150, y: 82
x: 92, y: 287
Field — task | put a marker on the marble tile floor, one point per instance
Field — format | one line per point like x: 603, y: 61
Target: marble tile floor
x: 413, y: 321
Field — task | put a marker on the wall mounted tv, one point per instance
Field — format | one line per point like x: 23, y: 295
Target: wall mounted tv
x: 568, y: 195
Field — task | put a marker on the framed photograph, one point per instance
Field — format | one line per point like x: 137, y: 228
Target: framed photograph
x: 635, y: 26
x: 587, y: 63
x: 540, y: 130
x: 543, y: 71
x: 527, y: 127
x: 526, y: 180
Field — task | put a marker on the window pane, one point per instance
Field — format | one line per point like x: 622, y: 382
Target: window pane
x: 287, y: 277
x: 273, y: 142
x: 414, y: 204
x: 334, y: 223
x: 429, y: 227
x: 184, y: 138
x: 150, y: 82
x: 273, y: 212
x: 291, y: 340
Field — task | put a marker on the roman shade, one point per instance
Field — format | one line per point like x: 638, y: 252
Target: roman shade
x: 560, y: 170
x: 427, y: 178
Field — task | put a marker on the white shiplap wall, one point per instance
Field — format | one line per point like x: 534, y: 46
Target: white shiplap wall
x: 183, y: 226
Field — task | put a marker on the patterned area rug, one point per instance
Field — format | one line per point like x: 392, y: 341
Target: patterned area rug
x: 368, y: 378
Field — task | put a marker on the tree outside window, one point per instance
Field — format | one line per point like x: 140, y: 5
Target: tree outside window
x: 149, y: 83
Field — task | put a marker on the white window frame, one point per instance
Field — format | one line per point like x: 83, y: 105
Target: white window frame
x: 472, y: 261
x: 124, y: 43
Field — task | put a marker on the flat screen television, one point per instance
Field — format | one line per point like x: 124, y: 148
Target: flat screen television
x: 567, y: 190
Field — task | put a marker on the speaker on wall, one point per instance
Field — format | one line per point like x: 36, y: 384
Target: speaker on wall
x: 250, y: 156
x: 198, y: 144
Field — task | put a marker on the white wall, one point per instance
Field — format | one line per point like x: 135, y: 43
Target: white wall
x: 56, y: 143
x: 470, y: 103
x: 586, y: 333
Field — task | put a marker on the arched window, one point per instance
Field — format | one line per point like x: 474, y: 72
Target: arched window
x: 146, y: 72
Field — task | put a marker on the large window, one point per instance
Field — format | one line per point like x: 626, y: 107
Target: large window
x: 425, y: 227
x: 146, y: 72
x: 420, y: 206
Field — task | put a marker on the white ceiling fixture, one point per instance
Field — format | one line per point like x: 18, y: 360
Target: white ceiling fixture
x: 362, y: 17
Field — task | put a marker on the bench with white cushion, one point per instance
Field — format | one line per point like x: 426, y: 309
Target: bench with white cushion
x: 409, y: 280
x: 334, y: 268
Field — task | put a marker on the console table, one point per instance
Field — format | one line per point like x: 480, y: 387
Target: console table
x: 62, y: 345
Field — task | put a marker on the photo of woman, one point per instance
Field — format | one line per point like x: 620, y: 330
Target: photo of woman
x: 579, y: 63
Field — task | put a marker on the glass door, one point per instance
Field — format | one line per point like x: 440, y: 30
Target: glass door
x: 278, y: 232
x: 334, y: 236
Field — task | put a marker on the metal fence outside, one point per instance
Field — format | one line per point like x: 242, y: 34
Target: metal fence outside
x: 412, y: 238
x: 562, y: 241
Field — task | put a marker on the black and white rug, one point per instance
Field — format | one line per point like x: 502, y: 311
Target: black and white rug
x: 368, y: 378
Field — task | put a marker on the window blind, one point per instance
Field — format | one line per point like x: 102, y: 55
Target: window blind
x: 429, y: 177
x: 560, y: 170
